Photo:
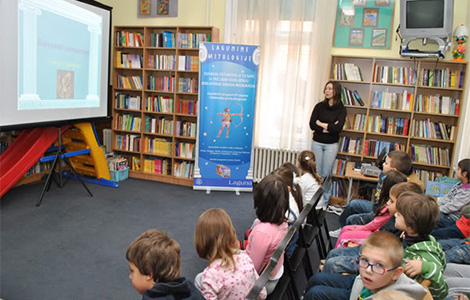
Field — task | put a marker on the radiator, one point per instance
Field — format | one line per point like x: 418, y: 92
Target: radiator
x: 107, y: 140
x: 267, y: 160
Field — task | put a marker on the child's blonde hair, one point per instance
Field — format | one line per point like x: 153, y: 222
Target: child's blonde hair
x: 389, y: 294
x: 307, y: 163
x: 215, y: 237
x: 389, y: 243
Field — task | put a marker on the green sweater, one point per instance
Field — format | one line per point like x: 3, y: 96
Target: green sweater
x: 434, y: 263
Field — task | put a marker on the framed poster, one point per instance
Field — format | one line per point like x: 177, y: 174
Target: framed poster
x: 157, y: 8
x: 363, y: 24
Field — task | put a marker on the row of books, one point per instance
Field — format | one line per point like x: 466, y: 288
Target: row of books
x: 186, y: 128
x: 128, y: 122
x: 389, y: 100
x: 445, y: 78
x: 187, y: 107
x: 159, y: 104
x: 161, y: 83
x: 433, y: 130
x: 162, y: 62
x: 347, y: 71
x: 350, y: 145
x: 117, y: 163
x: 163, y: 39
x: 338, y: 189
x: 125, y: 60
x: 358, y: 124
x: 437, y: 104
x: 158, y: 125
x: 395, y: 75
x: 135, y: 163
x: 349, y: 97
x: 158, y: 146
x: 425, y: 175
x: 185, y: 150
x: 192, y: 40
x: 188, y: 63
x: 188, y: 85
x: 374, y: 147
x: 128, y: 142
x: 430, y: 155
x: 157, y: 166
x: 129, y: 82
x: 388, y: 125
x: 183, y: 169
x: 129, y: 39
x: 339, y: 167
x: 127, y: 101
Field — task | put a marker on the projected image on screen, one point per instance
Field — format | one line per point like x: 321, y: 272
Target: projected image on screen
x: 58, y: 70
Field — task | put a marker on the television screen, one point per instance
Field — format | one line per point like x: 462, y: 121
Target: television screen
x: 425, y: 14
x: 54, y: 62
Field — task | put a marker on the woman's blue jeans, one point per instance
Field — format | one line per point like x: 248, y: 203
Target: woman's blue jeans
x: 325, y: 155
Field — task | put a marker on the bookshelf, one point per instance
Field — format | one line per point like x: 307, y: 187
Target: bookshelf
x: 155, y: 94
x: 412, y: 105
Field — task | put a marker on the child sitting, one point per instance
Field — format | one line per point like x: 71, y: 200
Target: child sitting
x: 457, y: 197
x: 358, y: 233
x: 271, y: 202
x: 417, y: 215
x: 230, y: 273
x: 310, y: 181
x: 379, y: 269
x: 155, y: 265
x: 460, y: 229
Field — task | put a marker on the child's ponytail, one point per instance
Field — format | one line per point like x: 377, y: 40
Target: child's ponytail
x: 307, y: 163
x: 288, y: 172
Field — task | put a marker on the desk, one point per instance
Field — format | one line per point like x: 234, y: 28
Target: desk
x: 351, y: 175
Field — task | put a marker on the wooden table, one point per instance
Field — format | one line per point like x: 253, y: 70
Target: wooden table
x: 350, y: 174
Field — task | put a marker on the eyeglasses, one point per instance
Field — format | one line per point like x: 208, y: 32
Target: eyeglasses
x: 376, y: 268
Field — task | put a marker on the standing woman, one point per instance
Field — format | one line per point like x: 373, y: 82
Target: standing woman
x: 327, y: 122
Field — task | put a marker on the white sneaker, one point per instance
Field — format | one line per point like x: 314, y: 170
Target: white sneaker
x: 335, y: 209
x: 335, y: 233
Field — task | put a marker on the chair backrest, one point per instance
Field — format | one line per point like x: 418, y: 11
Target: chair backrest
x: 426, y: 283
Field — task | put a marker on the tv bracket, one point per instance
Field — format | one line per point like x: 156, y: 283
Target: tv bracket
x: 443, y: 46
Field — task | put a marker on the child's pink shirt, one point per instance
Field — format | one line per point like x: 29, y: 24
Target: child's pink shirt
x: 262, y: 242
x: 223, y: 283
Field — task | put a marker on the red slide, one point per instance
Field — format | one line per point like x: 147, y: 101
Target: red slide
x: 23, y: 153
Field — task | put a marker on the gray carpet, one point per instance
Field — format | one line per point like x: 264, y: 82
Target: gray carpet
x: 73, y: 246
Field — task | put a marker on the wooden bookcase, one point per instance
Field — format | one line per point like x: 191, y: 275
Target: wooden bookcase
x: 378, y: 82
x: 155, y: 93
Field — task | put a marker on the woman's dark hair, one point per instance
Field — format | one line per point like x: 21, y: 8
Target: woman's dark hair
x: 287, y: 171
x: 337, y: 91
x: 271, y: 199
x: 393, y: 177
x: 464, y: 166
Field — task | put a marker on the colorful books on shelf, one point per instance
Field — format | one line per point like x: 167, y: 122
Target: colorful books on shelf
x: 135, y: 163
x: 184, y: 169
x: 158, y: 125
x: 188, y: 85
x: 187, y: 107
x: 129, y: 82
x: 349, y: 97
x: 356, y: 124
x: 430, y: 155
x: 125, y: 60
x: 339, y: 167
x: 347, y: 71
x: 433, y: 130
x: 388, y: 125
x: 387, y: 100
x: 157, y: 146
x: 164, y: 39
x: 188, y: 63
x: 192, y: 40
x: 161, y: 83
x: 445, y: 78
x: 125, y: 101
x: 338, y: 189
x: 395, y: 75
x: 437, y: 104
x: 185, y: 150
x: 128, y: 122
x: 186, y: 128
x: 162, y: 62
x: 157, y: 166
x: 129, y: 39
x: 350, y: 145
x: 128, y: 142
x: 425, y: 175
x: 159, y: 104
x: 373, y: 147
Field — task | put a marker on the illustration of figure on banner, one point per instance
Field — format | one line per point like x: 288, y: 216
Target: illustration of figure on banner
x: 227, y: 120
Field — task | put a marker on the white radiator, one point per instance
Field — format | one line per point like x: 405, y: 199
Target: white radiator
x: 107, y: 140
x: 267, y: 160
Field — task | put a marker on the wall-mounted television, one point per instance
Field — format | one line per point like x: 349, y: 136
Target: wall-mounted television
x: 426, y: 18
x: 54, y: 62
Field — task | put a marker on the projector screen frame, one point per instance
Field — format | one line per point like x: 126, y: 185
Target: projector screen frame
x: 107, y: 95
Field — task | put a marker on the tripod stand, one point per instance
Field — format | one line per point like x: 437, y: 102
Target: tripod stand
x: 58, y: 178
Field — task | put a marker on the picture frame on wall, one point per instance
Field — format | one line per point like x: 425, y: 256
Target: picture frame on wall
x: 370, y: 17
x: 379, y: 38
x: 382, y: 2
x: 157, y: 8
x: 359, y: 2
x: 356, y: 36
x: 347, y: 17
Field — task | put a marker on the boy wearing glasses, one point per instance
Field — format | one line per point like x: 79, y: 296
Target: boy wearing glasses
x: 379, y: 268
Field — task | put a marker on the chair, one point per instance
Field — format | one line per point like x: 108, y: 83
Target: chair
x: 426, y: 283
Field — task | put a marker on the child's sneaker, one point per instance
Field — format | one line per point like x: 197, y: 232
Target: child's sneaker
x: 335, y: 233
